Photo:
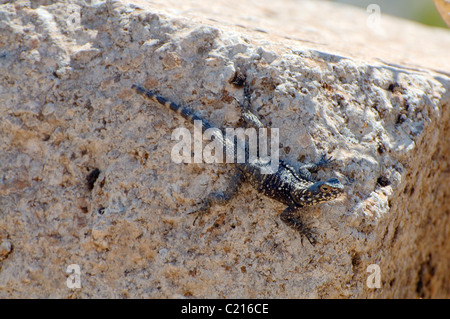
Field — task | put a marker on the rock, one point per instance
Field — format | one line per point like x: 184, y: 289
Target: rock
x: 374, y: 98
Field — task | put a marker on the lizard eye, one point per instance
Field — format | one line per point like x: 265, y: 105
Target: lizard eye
x: 325, y: 188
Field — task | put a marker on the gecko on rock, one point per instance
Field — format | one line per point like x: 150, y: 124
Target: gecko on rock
x: 294, y: 188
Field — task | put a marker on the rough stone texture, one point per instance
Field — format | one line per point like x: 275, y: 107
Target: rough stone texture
x: 375, y: 99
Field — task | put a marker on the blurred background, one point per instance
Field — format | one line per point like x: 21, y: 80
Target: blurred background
x: 423, y: 11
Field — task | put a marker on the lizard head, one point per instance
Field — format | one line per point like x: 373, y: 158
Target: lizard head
x: 318, y: 192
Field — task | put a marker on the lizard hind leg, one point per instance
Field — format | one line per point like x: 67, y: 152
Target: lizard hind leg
x: 219, y: 197
x: 246, y: 114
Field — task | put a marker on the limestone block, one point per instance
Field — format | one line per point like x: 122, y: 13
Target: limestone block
x: 87, y: 176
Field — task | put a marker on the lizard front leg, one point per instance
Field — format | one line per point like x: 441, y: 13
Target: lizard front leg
x: 289, y: 217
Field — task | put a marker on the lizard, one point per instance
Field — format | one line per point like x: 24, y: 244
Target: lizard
x: 294, y: 188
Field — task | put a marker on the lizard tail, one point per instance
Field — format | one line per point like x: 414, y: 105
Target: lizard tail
x: 183, y: 111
